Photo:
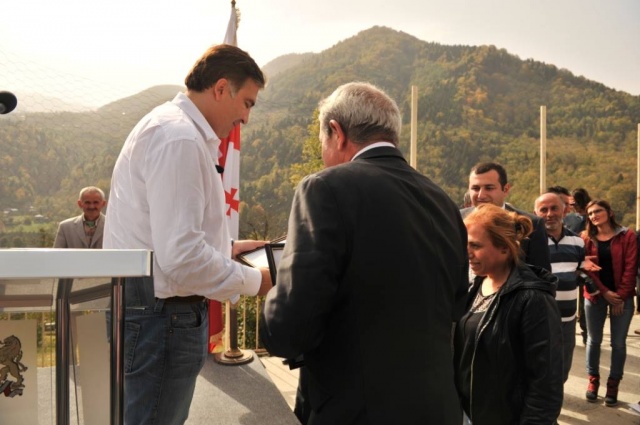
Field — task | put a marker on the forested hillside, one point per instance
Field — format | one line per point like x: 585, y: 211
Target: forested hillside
x: 476, y: 103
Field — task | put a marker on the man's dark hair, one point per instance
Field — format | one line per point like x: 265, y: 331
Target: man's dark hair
x: 559, y: 190
x: 485, y: 167
x: 581, y: 198
x: 224, y: 61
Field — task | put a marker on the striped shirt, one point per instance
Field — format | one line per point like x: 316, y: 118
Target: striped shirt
x: 566, y: 256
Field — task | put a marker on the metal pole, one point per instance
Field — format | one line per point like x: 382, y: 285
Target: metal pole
x: 117, y: 351
x: 638, y: 183
x: 232, y: 355
x: 62, y: 351
x: 543, y: 148
x: 413, y: 159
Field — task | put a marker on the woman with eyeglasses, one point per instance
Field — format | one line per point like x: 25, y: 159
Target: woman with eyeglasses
x: 615, y: 250
x: 508, y: 344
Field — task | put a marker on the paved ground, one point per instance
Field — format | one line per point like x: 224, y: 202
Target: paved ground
x: 247, y: 395
x: 575, y: 411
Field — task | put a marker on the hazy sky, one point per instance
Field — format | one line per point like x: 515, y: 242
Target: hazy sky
x: 116, y: 48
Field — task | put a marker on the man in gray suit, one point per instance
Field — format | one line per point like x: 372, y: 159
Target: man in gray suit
x: 373, y: 273
x: 85, y: 230
x: 488, y: 184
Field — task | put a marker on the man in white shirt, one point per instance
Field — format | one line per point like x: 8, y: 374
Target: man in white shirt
x: 167, y: 196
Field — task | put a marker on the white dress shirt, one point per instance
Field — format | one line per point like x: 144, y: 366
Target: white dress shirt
x: 166, y: 195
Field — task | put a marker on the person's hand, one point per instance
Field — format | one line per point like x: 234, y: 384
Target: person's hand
x: 589, y: 265
x: 265, y: 284
x: 612, y: 298
x: 245, y: 245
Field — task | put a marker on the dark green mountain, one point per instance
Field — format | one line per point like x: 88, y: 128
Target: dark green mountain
x: 476, y: 103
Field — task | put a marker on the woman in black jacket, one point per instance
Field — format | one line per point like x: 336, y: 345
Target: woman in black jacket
x: 508, y: 346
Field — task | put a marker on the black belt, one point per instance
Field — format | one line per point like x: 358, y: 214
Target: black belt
x: 191, y: 299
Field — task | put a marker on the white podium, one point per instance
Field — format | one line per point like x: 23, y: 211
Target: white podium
x: 18, y: 267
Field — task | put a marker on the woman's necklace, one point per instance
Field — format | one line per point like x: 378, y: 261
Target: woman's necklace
x: 482, y: 302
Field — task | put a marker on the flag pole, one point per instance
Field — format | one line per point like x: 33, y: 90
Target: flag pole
x: 543, y: 148
x: 413, y: 158
x: 638, y: 183
x: 232, y: 355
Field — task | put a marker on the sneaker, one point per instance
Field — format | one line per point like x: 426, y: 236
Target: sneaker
x: 592, y: 388
x: 611, y: 399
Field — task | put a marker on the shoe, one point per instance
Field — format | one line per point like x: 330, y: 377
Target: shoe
x: 611, y: 399
x: 592, y: 388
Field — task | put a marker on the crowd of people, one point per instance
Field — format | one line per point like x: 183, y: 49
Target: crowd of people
x: 483, y: 300
x: 593, y: 262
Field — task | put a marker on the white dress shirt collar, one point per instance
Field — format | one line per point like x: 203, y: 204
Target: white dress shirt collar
x: 183, y: 102
x: 373, y: 146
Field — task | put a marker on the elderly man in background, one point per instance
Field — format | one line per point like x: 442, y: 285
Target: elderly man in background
x: 567, y: 255
x: 85, y: 230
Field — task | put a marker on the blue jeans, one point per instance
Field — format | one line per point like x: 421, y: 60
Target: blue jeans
x: 165, y: 348
x: 619, y: 327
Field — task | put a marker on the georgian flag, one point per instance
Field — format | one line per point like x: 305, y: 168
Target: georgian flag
x: 229, y: 160
x: 229, y: 155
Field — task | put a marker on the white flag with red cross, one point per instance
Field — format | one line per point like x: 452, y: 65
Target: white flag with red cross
x: 229, y: 159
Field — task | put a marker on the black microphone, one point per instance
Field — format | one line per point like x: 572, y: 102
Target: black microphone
x: 8, y: 102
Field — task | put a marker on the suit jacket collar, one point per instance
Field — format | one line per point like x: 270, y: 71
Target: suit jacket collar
x: 78, y: 227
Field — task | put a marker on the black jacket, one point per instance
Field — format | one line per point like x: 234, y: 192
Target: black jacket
x: 516, y: 370
x: 372, y: 276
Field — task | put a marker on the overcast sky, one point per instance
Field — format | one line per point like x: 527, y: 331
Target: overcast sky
x: 116, y: 48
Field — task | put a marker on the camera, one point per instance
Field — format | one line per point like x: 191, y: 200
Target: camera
x: 590, y: 285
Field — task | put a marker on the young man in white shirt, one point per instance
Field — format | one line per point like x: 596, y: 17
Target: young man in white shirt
x: 167, y: 196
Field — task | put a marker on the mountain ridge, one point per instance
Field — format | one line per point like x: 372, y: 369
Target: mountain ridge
x: 475, y: 103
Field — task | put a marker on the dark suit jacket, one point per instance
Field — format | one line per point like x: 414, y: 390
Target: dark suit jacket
x: 71, y: 234
x: 536, y: 247
x: 373, y: 273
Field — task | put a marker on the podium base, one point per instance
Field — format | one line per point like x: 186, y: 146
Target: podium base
x: 233, y: 357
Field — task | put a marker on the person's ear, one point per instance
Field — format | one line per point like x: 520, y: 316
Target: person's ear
x: 80, y: 203
x: 338, y: 133
x: 219, y: 87
x: 506, y: 188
